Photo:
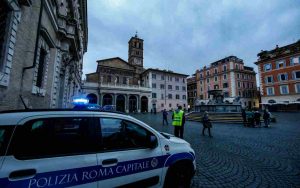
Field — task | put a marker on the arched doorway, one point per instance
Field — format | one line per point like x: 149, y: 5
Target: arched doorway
x: 120, y: 103
x: 92, y: 98
x: 107, y: 100
x: 144, y: 104
x: 132, y: 104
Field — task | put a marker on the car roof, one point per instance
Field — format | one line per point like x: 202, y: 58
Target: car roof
x: 14, y: 116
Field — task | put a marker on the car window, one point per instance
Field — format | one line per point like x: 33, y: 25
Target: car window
x: 53, y: 137
x: 121, y: 134
x: 5, y: 133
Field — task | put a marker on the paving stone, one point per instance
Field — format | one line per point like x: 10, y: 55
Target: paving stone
x: 237, y: 156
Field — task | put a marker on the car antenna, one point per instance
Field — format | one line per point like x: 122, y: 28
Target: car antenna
x: 26, y: 108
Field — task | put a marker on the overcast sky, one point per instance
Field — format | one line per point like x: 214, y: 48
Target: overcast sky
x: 184, y: 35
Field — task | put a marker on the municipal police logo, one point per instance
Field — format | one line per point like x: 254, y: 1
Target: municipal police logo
x: 154, y: 162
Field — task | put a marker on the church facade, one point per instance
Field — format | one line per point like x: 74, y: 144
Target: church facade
x: 127, y: 85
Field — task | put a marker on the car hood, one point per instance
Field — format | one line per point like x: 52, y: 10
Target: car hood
x: 174, y: 139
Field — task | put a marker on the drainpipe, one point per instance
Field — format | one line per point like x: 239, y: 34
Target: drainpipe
x: 36, y: 46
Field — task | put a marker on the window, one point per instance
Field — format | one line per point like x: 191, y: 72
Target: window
x: 176, y: 79
x: 296, y: 75
x: 124, y: 80
x: 225, y: 85
x: 120, y: 134
x: 201, y: 89
x: 207, y: 73
x: 170, y: 78
x: 170, y: 105
x: 216, y: 78
x: 4, y: 9
x: 270, y: 90
x: 162, y: 105
x: 154, y: 95
x: 200, y: 82
x: 243, y: 84
x: 183, y: 97
x: 216, y: 71
x: 153, y: 85
x: 162, y: 77
x: 53, y: 137
x: 295, y: 60
x: 40, y: 73
x: 169, y: 96
x: 5, y: 133
x: 268, y: 67
x: 177, y: 87
x: 207, y: 80
x: 183, y: 80
x: 183, y: 88
x: 236, y: 66
x: 284, y: 89
x: 280, y: 64
x: 269, y: 79
x: 239, y: 84
x: 238, y: 75
x: 297, y: 89
x: 224, y: 76
x: 201, y: 76
x: 216, y: 86
x: 208, y: 88
x: 162, y: 96
x: 153, y: 76
x: 177, y: 96
x: 240, y: 93
x: 224, y: 68
x: 162, y: 86
x: 282, y: 77
x: 170, y: 87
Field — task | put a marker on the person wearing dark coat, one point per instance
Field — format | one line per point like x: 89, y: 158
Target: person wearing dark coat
x: 206, y: 124
x: 244, y: 116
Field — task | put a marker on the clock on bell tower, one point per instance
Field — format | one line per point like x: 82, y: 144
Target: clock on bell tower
x: 135, y: 51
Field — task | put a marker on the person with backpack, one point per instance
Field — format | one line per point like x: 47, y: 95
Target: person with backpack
x: 266, y: 117
x: 206, y: 124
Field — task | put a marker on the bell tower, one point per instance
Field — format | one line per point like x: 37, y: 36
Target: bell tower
x: 135, y: 52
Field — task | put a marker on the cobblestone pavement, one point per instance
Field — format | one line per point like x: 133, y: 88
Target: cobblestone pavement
x: 237, y: 156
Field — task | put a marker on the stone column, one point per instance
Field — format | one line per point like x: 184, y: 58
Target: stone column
x: 126, y: 104
x: 138, y: 103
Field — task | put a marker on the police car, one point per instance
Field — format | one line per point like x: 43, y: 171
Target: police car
x: 66, y: 148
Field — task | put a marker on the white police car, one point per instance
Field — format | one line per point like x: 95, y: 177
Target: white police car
x: 89, y: 149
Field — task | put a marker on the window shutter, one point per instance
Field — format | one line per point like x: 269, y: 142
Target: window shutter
x: 293, y: 75
x: 278, y: 77
x: 277, y: 65
x: 286, y: 76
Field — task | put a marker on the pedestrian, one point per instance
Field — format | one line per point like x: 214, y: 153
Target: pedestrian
x: 266, y: 117
x: 206, y: 124
x: 165, y: 117
x: 244, y: 116
x: 178, y: 122
x: 257, y: 118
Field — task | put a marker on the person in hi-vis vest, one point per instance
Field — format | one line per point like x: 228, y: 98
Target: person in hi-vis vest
x: 178, y: 122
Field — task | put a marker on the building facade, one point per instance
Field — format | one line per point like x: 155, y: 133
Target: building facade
x: 130, y: 87
x: 169, y: 89
x: 41, y: 50
x: 191, y: 91
x: 279, y: 74
x: 232, y: 77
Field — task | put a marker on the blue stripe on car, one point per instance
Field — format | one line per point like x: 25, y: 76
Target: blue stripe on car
x: 78, y: 176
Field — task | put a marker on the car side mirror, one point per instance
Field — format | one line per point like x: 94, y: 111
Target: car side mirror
x: 152, y: 141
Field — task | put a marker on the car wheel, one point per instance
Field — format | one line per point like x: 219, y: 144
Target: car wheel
x: 179, y: 175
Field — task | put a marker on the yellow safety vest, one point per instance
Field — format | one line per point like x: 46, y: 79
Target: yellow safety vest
x: 177, y: 118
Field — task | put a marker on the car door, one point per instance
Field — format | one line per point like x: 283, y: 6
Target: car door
x: 125, y: 157
x: 50, y: 152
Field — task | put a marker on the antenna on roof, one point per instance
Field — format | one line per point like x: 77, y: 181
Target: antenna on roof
x: 26, y: 108
x: 136, y: 34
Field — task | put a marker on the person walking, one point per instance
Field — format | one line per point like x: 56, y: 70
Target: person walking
x: 178, y: 122
x: 206, y: 124
x: 244, y: 116
x: 257, y: 118
x: 266, y: 117
x: 165, y: 117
